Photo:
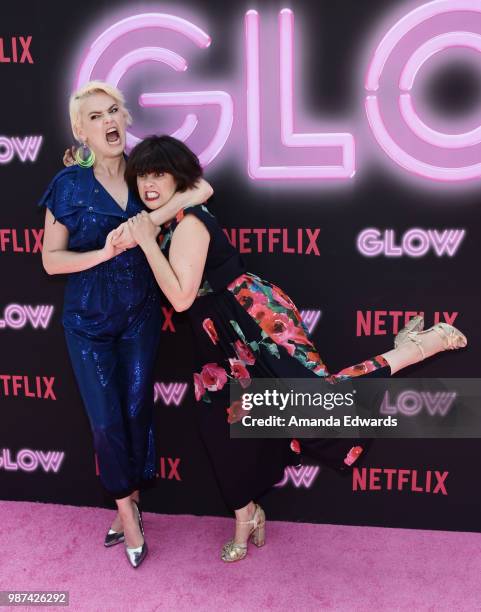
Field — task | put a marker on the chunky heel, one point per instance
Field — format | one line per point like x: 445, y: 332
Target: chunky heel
x: 233, y: 551
x: 258, y: 536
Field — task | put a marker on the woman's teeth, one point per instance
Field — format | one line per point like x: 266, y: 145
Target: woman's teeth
x: 113, y: 136
x: 151, y: 195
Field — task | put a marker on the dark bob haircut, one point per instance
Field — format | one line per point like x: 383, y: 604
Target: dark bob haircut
x: 163, y: 154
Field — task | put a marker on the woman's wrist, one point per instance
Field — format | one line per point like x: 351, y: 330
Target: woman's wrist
x: 148, y: 244
x: 102, y: 255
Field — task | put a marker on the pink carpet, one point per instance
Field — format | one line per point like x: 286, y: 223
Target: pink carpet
x: 301, y: 567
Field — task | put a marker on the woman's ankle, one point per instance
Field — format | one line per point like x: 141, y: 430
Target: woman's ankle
x: 245, y: 513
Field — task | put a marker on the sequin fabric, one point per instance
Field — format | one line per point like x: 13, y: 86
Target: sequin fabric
x: 112, y: 322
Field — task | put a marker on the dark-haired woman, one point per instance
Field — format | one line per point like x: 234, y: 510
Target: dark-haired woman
x: 244, y: 327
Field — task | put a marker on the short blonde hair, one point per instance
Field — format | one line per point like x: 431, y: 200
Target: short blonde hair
x: 88, y: 89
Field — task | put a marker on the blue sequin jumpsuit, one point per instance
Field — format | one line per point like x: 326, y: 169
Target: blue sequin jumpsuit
x: 112, y: 322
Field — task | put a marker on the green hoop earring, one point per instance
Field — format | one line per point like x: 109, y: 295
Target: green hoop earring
x: 84, y: 156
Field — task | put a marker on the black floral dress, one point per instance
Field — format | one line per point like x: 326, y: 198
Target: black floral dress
x: 245, y: 327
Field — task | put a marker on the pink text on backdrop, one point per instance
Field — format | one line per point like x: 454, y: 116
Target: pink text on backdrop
x: 24, y: 148
x: 394, y: 479
x: 170, y: 393
x: 303, y: 476
x: 423, y: 147
x: 16, y: 50
x: 16, y: 316
x: 383, y: 322
x: 28, y: 460
x: 415, y: 242
x: 28, y: 241
x: 410, y: 403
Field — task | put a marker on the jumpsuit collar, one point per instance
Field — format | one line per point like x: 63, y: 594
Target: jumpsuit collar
x: 90, y: 194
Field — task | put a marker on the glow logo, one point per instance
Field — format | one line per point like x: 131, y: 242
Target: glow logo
x: 404, y: 126
x: 16, y: 316
x: 416, y: 242
x: 170, y: 393
x: 129, y: 59
x: 24, y: 148
x: 302, y: 476
x: 310, y: 318
x: 27, y: 460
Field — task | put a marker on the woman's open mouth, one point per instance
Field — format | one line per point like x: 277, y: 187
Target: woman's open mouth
x: 113, y: 136
x: 150, y: 196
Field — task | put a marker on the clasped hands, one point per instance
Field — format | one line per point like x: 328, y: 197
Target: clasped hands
x: 138, y: 230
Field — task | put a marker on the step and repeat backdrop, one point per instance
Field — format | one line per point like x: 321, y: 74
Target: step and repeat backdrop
x: 343, y: 141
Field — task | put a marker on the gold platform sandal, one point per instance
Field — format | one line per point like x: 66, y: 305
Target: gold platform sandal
x: 235, y: 552
x: 451, y: 336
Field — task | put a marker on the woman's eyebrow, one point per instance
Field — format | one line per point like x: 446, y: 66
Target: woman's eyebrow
x: 100, y: 112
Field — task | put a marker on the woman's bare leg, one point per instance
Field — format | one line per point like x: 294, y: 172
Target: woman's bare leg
x: 129, y: 522
x: 117, y: 524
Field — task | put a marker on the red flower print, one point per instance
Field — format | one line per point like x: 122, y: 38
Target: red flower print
x: 313, y: 356
x: 235, y: 412
x: 199, y: 388
x: 213, y: 377
x: 282, y: 298
x: 240, y: 372
x: 281, y: 328
x: 353, y: 455
x: 244, y: 353
x: 210, y: 330
x: 295, y: 446
x: 244, y: 298
x: 259, y: 312
x: 248, y: 298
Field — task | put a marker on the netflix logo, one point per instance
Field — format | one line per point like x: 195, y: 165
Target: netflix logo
x: 168, y: 468
x: 300, y: 241
x: 393, y: 479
x: 21, y: 241
x: 16, y: 50
x: 38, y: 387
x: 384, y: 322
x: 168, y: 324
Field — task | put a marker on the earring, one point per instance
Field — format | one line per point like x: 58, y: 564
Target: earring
x: 84, y: 156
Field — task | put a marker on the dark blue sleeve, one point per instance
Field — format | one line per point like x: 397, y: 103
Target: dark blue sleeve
x: 58, y: 196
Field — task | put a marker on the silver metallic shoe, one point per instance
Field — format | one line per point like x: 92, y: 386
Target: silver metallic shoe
x: 416, y: 324
x: 137, y: 555
x: 113, y: 537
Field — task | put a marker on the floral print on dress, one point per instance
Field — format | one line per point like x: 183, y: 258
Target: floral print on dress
x: 235, y: 412
x: 213, y: 377
x: 279, y: 319
x: 210, y: 330
x: 281, y: 326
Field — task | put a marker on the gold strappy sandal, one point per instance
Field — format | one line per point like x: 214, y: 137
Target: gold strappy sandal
x: 232, y: 551
x: 451, y: 336
x: 416, y: 324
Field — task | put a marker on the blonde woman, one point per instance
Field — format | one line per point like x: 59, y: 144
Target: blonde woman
x: 112, y: 311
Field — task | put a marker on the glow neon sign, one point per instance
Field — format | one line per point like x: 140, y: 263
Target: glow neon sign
x: 420, y: 146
